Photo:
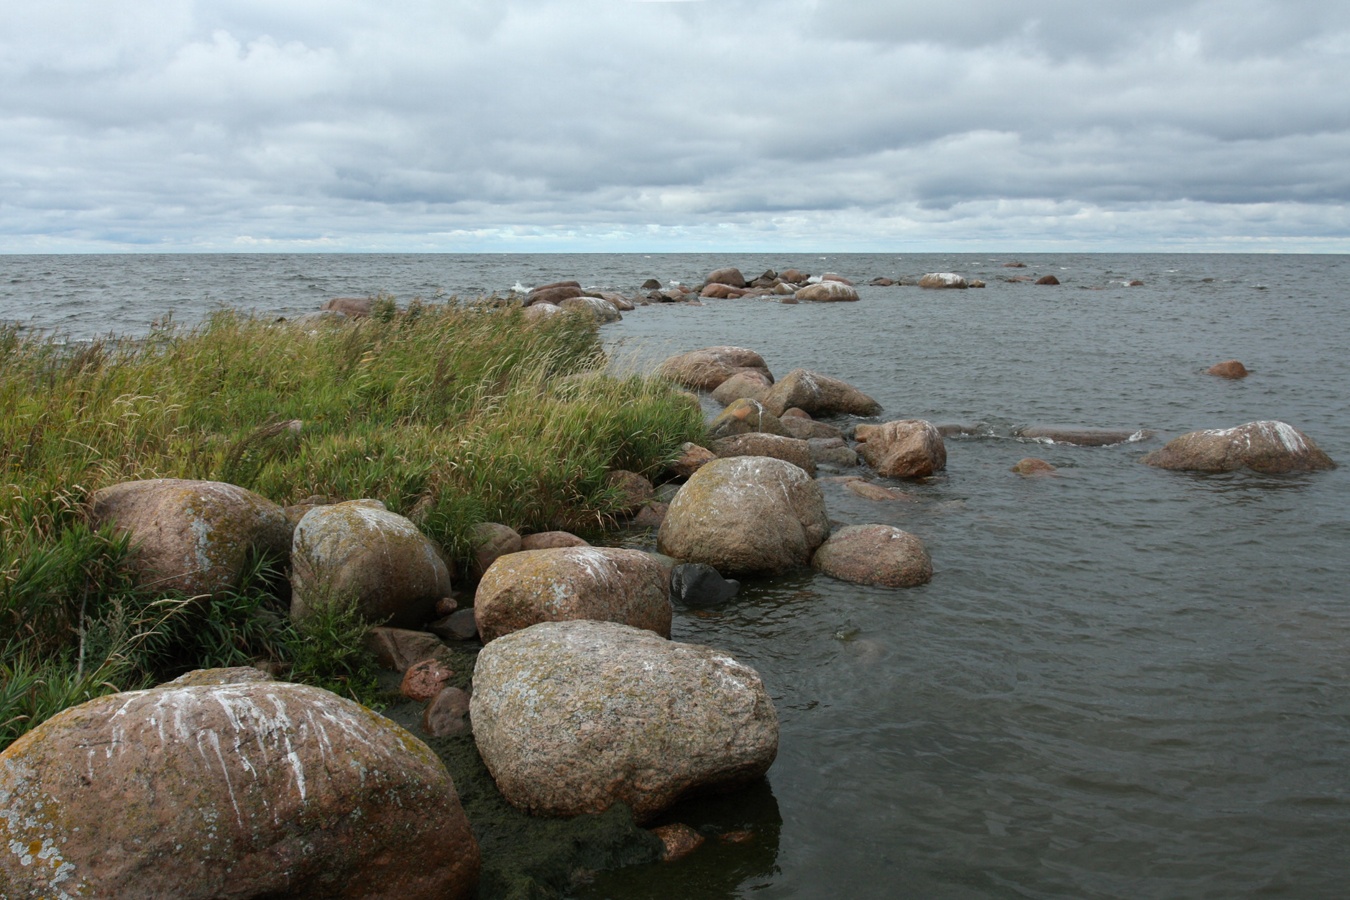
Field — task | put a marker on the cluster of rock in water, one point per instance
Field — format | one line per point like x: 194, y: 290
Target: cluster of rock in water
x: 227, y: 782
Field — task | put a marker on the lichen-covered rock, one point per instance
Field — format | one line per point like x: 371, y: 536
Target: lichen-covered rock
x: 244, y: 790
x: 1270, y: 447
x: 707, y: 368
x: 875, y: 554
x: 191, y: 536
x: 906, y: 448
x: 943, y: 280
x: 572, y: 717
x: 828, y: 291
x: 605, y: 583
x: 746, y: 514
x: 819, y: 395
x: 743, y: 417
x: 394, y: 571
x: 793, y: 450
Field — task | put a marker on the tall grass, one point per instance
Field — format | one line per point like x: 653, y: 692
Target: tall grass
x: 451, y: 415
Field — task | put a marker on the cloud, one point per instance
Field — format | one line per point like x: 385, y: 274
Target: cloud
x: 467, y: 125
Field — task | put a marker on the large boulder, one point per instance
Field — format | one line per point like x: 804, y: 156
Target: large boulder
x: 191, y: 536
x: 742, y: 417
x: 596, y: 307
x: 1273, y: 448
x: 573, y: 717
x: 248, y: 790
x: 360, y: 548
x: 554, y: 293
x: 906, y: 448
x: 707, y: 368
x: 943, y: 280
x: 605, y: 583
x: 746, y: 514
x: 827, y: 292
x: 793, y: 450
x: 874, y: 554
x: 730, y: 276
x: 819, y: 395
x: 750, y: 384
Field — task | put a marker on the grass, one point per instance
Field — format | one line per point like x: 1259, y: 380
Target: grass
x: 450, y: 414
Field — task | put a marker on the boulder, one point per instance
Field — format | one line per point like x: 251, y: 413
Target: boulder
x: 1269, y: 447
x: 806, y: 428
x: 707, y: 368
x: 975, y: 283
x: 819, y: 395
x: 398, y: 649
x: 874, y: 554
x: 746, y: 514
x: 256, y: 789
x: 191, y: 536
x: 601, y: 310
x: 1032, y: 466
x: 1083, y: 437
x: 553, y: 293
x: 832, y: 451
x: 351, y: 307
x: 395, y: 572
x: 460, y: 625
x: 424, y: 680
x: 549, y: 540
x: 721, y: 292
x: 1229, y: 368
x: 633, y: 491
x: 1047, y: 279
x: 447, y: 714
x: 491, y: 541
x: 615, y: 299
x: 942, y: 280
x: 573, y: 717
x: 541, y: 311
x: 692, y: 458
x: 793, y: 450
x: 827, y: 292
x: 907, y: 448
x: 794, y: 276
x: 748, y: 385
x: 743, y: 417
x: 881, y: 281
x: 700, y: 585
x: 605, y: 583
x: 651, y: 284
x: 730, y: 276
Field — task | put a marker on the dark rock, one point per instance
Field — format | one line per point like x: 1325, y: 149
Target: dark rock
x: 460, y: 625
x: 1047, y: 279
x: 700, y: 585
x: 1082, y: 437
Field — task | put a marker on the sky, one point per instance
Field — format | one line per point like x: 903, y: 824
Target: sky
x: 674, y: 125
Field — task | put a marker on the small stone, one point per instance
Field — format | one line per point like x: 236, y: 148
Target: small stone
x: 447, y: 714
x: 425, y: 679
x: 680, y: 840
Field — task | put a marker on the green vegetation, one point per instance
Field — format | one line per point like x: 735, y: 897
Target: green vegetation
x: 451, y: 415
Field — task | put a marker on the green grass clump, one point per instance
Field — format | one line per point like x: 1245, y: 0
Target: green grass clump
x: 451, y: 415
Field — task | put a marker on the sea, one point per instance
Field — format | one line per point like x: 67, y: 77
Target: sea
x: 1121, y: 682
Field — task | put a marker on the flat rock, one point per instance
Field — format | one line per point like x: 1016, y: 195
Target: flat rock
x: 1084, y: 437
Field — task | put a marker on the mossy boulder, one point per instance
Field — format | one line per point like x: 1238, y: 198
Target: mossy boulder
x: 249, y: 790
x: 1269, y: 447
x: 746, y: 514
x: 574, y: 717
x: 818, y: 395
x: 875, y: 554
x: 360, y: 548
x: 191, y: 536
x: 604, y: 583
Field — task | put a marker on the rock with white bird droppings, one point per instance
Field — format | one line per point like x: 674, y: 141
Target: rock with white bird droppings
x: 573, y: 717
x: 238, y: 789
x: 604, y: 583
x: 1269, y: 447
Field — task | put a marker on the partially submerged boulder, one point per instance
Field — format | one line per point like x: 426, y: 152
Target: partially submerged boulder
x: 906, y: 448
x: 252, y: 789
x: 746, y: 514
x: 573, y: 717
x: 606, y: 583
x: 1269, y: 447
x: 1229, y: 368
x: 360, y: 549
x: 596, y: 307
x: 707, y: 368
x: 700, y: 585
x: 191, y: 536
x: 828, y: 291
x: 875, y: 554
x: 1083, y: 437
x: 943, y: 280
x: 742, y: 417
x: 1030, y: 465
x: 818, y: 395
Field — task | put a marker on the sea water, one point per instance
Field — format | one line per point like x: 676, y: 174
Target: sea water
x: 1121, y: 681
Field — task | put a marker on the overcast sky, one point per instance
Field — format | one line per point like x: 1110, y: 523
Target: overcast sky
x: 651, y: 125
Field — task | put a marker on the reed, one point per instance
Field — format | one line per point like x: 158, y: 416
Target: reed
x: 450, y: 414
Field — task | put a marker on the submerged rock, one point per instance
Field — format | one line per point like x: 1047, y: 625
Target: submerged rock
x: 1032, y: 466
x: 1083, y: 437
x: 191, y: 536
x: 1270, y: 447
x: 573, y: 717
x: 875, y: 554
x: 1229, y: 368
x: 255, y: 789
x: 700, y: 585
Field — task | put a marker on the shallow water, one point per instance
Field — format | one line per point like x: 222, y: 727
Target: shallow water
x: 1121, y: 682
